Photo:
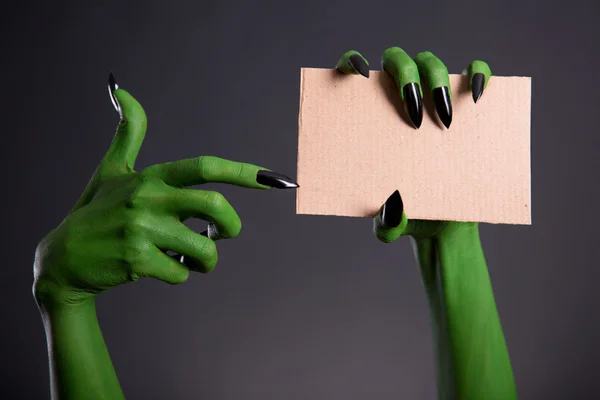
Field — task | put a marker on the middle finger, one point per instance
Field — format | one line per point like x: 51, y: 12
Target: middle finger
x: 206, y: 205
x: 436, y: 76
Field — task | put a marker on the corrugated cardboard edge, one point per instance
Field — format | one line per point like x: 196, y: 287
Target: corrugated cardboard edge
x: 301, y: 101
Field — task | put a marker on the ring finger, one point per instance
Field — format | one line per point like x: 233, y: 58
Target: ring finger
x: 207, y: 205
x: 199, y: 252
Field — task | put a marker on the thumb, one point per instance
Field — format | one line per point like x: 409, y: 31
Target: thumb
x: 121, y: 155
x: 390, y: 222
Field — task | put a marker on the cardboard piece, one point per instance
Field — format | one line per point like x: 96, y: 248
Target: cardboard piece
x: 356, y: 146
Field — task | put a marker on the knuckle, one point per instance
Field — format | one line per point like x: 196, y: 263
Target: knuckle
x: 142, y: 192
x: 216, y: 202
x: 240, y: 169
x: 147, y: 179
x: 133, y: 226
x: 134, y: 119
x: 210, y: 168
x: 205, y: 163
x: 135, y: 200
x: 135, y: 256
x: 150, y: 172
x: 146, y: 174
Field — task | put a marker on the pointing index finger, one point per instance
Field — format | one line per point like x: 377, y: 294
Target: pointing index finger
x: 205, y: 169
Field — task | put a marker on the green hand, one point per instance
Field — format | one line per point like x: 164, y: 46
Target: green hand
x: 407, y: 74
x: 119, y: 231
x: 352, y: 62
x: 126, y: 220
x: 472, y: 358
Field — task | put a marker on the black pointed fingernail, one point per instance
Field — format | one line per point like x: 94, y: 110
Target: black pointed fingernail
x: 441, y: 98
x: 275, y: 180
x: 477, y: 83
x: 359, y: 65
x: 414, y: 103
x: 112, y: 86
x: 391, y: 214
x: 204, y: 233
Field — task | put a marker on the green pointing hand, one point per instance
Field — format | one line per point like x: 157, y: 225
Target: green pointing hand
x: 472, y: 358
x: 121, y: 230
x: 126, y: 220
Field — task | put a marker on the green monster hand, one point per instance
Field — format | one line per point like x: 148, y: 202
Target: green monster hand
x: 472, y: 358
x: 121, y: 230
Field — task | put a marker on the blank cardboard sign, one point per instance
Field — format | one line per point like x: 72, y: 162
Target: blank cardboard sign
x: 356, y: 146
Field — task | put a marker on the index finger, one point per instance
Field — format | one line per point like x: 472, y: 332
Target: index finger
x: 205, y: 169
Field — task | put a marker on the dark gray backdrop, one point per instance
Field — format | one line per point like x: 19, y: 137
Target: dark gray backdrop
x: 299, y: 307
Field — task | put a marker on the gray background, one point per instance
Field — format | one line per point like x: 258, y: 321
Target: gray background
x: 299, y: 307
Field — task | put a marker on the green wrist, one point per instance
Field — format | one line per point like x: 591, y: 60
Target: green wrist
x: 50, y: 296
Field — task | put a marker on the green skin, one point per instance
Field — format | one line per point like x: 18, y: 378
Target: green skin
x: 125, y: 220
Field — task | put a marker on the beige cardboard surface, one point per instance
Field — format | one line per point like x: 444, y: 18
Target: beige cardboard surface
x: 356, y: 146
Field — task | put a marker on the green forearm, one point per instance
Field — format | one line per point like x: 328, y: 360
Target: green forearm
x: 80, y: 366
x: 473, y: 360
